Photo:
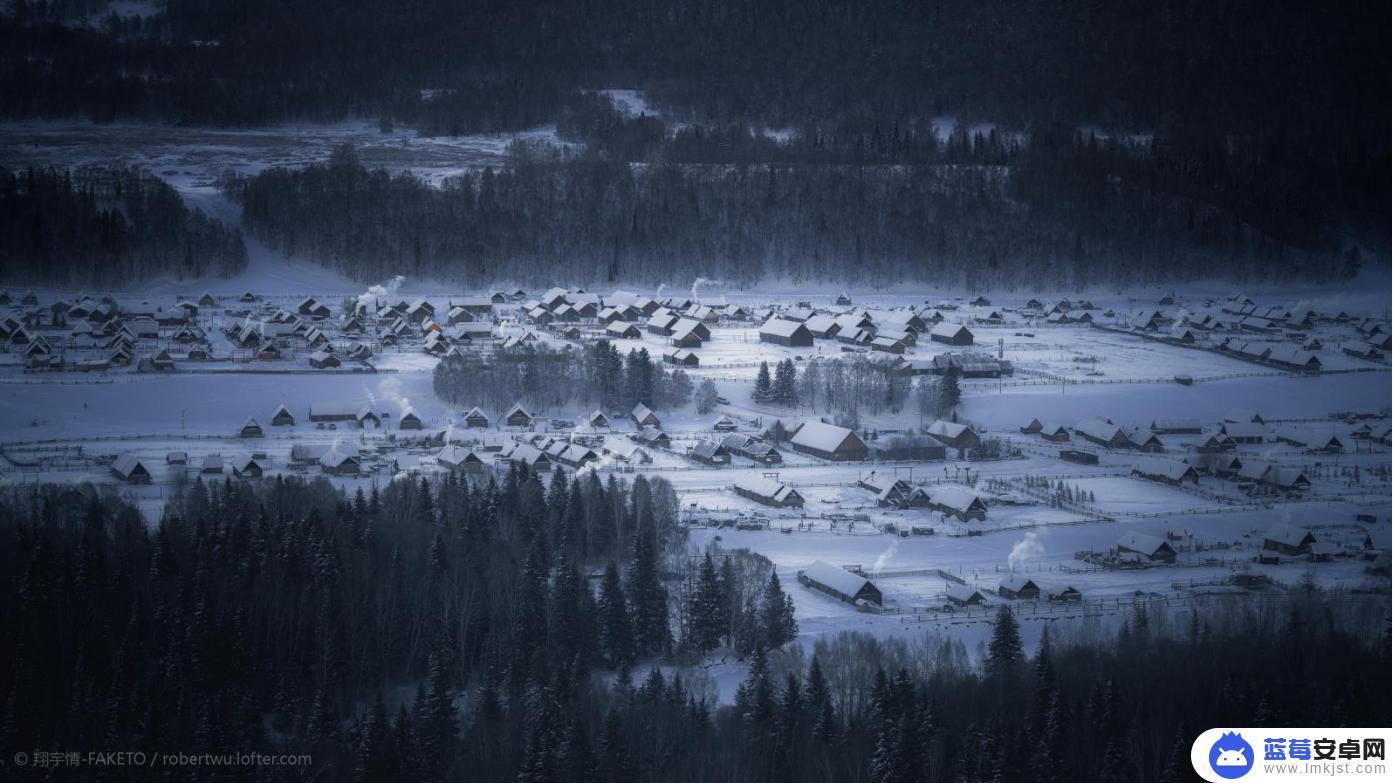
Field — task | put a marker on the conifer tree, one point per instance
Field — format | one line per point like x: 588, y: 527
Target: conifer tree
x: 764, y: 386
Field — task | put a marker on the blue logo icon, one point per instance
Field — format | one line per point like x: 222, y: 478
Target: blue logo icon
x: 1231, y: 756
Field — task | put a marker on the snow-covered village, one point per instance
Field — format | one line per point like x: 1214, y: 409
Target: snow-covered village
x: 520, y: 394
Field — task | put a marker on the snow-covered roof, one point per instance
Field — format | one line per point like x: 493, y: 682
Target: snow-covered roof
x: 946, y: 329
x: 957, y: 497
x: 838, y: 579
x: 1291, y: 535
x: 780, y: 327
x: 1017, y: 582
x: 963, y: 593
x: 1146, y: 544
x: 821, y: 436
x: 1158, y: 466
x: 765, y: 487
x: 1097, y: 428
x: 947, y: 429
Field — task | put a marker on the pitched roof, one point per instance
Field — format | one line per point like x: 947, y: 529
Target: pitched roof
x: 839, y: 579
x: 780, y: 327
x: 822, y: 436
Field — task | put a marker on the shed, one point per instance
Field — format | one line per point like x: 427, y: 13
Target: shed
x: 964, y: 595
x: 597, y: 419
x: 475, y: 419
x: 840, y: 583
x: 130, y: 469
x: 409, y: 420
x: 323, y: 360
x: 769, y: 492
x: 250, y: 430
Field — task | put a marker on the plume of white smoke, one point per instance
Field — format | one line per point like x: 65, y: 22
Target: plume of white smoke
x: 696, y: 288
x: 885, y: 556
x: 604, y: 461
x: 390, y: 388
x: 661, y: 288
x: 1028, y: 548
x: 388, y: 288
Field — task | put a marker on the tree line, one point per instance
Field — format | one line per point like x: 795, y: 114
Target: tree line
x: 432, y: 630
x: 96, y: 226
x: 550, y: 215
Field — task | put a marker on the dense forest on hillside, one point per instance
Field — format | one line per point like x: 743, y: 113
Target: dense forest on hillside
x: 1237, y: 138
x: 440, y: 630
x: 106, y: 226
x: 1071, y: 212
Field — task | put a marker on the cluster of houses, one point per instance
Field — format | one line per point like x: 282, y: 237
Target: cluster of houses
x: 887, y: 331
x: 855, y: 588
x: 95, y: 334
x: 1277, y: 336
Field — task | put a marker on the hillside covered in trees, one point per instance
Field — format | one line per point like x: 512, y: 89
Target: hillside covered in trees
x: 106, y: 226
x: 798, y: 140
x: 1057, y: 210
x: 435, y: 631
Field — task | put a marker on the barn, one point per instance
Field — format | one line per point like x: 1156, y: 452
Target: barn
x: 1101, y: 432
x: 840, y: 583
x: 952, y: 334
x: 475, y: 419
x: 597, y: 419
x: 409, y: 420
x: 1166, y: 471
x: 1288, y: 540
x: 323, y: 360
x: 1150, y: 547
x: 964, y: 595
x: 250, y: 430
x: 769, y: 492
x: 341, y: 411
x: 829, y: 441
x: 785, y: 332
